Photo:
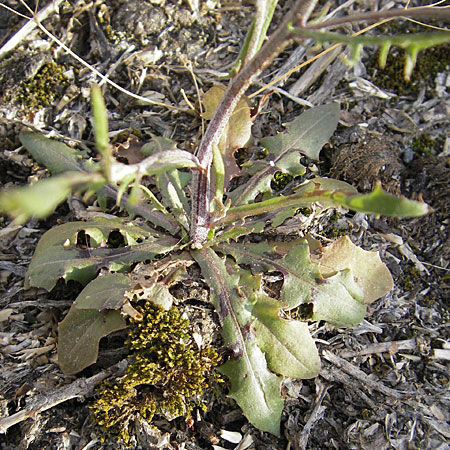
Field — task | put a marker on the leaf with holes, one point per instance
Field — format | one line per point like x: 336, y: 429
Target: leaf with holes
x: 58, y: 256
x: 254, y: 387
x: 287, y: 344
x: 337, y: 299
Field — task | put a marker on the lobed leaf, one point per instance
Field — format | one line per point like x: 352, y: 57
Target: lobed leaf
x: 337, y: 299
x: 330, y: 193
x: 56, y: 255
x: 370, y: 273
x: 381, y: 203
x: 287, y: 344
x: 79, y: 335
x: 307, y: 134
x: 254, y: 387
x: 412, y: 43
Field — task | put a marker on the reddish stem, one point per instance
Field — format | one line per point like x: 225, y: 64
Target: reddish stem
x: 201, y: 189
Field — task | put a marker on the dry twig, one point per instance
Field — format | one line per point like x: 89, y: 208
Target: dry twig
x: 78, y: 389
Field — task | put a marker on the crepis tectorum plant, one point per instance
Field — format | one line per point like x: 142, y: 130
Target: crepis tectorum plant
x: 192, y: 214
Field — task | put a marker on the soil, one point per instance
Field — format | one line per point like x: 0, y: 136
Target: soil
x: 383, y: 383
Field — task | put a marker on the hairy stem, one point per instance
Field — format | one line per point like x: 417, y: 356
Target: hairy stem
x: 201, y: 189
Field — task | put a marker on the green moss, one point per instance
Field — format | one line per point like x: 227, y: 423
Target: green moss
x: 280, y: 180
x: 410, y: 276
x: 40, y: 90
x: 332, y: 232
x: 429, y: 63
x: 304, y: 211
x: 167, y: 377
x: 424, y: 145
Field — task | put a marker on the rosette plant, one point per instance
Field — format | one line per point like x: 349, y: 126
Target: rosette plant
x: 180, y: 209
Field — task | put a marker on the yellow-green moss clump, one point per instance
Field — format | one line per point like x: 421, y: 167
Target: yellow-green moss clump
x: 429, y: 63
x: 167, y: 377
x: 40, y: 90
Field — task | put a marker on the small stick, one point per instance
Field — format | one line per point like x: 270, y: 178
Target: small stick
x: 337, y: 375
x: 23, y: 32
x: 361, y: 376
x: 80, y: 388
x: 382, y: 347
x: 316, y: 415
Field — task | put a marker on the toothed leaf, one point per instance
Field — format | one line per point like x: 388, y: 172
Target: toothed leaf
x: 336, y: 299
x: 287, y: 344
x: 254, y: 387
x: 412, y: 43
x: 370, y: 273
x: 57, y: 255
x: 307, y: 134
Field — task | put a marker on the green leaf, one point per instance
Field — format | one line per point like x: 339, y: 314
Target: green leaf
x: 79, y: 335
x: 100, y: 120
x: 336, y: 299
x: 143, y: 209
x: 287, y: 344
x: 381, y: 203
x: 171, y: 188
x: 54, y: 155
x: 154, y: 165
x: 104, y: 292
x: 158, y: 144
x: 42, y: 198
x: 254, y: 387
x: 330, y: 193
x: 370, y: 273
x: 307, y: 134
x: 256, y: 33
x: 56, y: 255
